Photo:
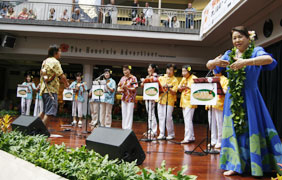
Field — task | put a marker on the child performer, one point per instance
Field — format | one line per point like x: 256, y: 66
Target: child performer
x: 127, y: 87
x: 150, y: 104
x: 79, y: 88
x: 26, y: 102
x: 187, y: 108
x: 169, y: 84
x: 217, y: 114
x: 107, y: 103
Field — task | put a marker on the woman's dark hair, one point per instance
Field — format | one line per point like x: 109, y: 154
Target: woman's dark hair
x: 127, y: 67
x: 107, y: 70
x: 171, y: 65
x: 79, y: 74
x: 241, y: 29
x: 155, y: 67
x: 53, y: 50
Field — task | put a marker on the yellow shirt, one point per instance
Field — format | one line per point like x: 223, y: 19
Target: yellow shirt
x: 220, y: 98
x: 52, y: 66
x: 186, y: 94
x: 170, y: 81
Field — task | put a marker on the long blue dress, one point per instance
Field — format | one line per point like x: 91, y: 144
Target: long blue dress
x: 259, y: 149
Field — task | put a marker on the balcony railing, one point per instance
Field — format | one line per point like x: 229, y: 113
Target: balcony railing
x: 170, y: 20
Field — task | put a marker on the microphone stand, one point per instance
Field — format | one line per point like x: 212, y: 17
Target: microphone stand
x: 86, y: 119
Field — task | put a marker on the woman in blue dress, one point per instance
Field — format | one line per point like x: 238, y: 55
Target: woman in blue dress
x: 250, y: 142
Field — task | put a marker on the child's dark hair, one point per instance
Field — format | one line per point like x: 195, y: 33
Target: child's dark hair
x: 127, y: 67
x: 155, y: 67
x: 78, y: 74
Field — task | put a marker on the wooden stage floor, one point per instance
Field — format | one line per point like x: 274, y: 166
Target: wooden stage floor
x: 205, y: 167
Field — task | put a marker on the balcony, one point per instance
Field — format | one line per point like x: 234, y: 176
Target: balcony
x: 106, y: 17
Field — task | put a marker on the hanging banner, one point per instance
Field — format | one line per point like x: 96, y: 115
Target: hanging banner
x: 203, y: 94
x: 98, y: 91
x: 68, y: 95
x: 151, y: 91
x: 22, y: 91
x: 215, y: 11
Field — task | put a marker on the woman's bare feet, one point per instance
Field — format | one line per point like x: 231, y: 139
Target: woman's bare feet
x: 229, y: 173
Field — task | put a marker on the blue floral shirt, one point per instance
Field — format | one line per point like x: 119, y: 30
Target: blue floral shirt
x: 29, y: 94
x: 110, y: 96
x: 78, y: 95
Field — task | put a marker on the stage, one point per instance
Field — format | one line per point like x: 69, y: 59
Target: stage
x: 205, y: 167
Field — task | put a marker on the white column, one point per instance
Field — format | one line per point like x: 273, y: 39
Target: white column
x: 160, y: 4
x: 87, y: 77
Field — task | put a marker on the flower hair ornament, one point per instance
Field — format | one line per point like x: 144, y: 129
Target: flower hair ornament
x: 252, y: 35
x: 111, y: 72
x: 129, y: 67
x: 189, y: 68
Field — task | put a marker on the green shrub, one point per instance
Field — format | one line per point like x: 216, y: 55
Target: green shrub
x: 79, y: 163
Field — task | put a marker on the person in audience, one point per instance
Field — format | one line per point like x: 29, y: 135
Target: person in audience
x: 111, y: 17
x: 26, y: 102
x: 65, y: 16
x: 140, y: 20
x: 79, y: 87
x: 175, y: 23
x: 169, y: 84
x: 52, y: 15
x: 31, y: 15
x: 127, y: 87
x: 3, y: 12
x: 23, y: 14
x: 11, y: 13
x: 76, y: 16
x: 134, y: 12
x: 148, y: 14
x: 107, y: 103
x: 190, y: 13
x: 187, y: 109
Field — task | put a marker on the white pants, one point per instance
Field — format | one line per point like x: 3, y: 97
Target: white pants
x: 169, y: 122
x: 152, y: 121
x: 94, y: 112
x: 26, y: 106
x: 38, y: 107
x: 216, y: 126
x: 77, y: 107
x: 127, y: 109
x: 188, y: 114
x: 106, y: 114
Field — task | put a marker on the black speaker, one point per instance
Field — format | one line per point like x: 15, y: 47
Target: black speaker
x: 30, y: 125
x: 117, y: 143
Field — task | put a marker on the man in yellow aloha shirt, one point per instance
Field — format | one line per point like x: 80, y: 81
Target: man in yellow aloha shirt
x: 51, y: 73
x: 187, y: 109
x: 168, y: 81
x: 216, y: 119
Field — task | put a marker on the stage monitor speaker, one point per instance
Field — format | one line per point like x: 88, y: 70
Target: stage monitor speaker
x: 30, y: 125
x: 117, y: 143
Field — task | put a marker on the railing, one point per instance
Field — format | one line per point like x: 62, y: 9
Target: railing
x: 109, y: 14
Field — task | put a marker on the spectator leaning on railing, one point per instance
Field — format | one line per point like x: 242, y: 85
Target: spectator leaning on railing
x: 65, y: 16
x: 190, y: 13
x: 112, y: 14
x: 23, y: 14
x: 140, y: 20
x: 175, y: 23
x: 11, y: 13
x: 76, y: 16
x: 148, y: 12
x: 52, y: 15
x: 3, y: 12
x: 31, y: 15
x: 134, y: 12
